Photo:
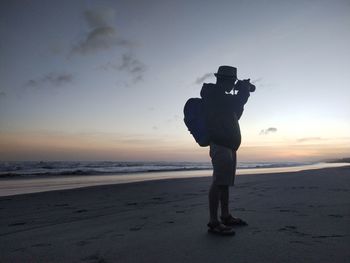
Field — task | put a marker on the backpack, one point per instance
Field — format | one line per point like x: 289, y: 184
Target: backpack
x: 195, y: 120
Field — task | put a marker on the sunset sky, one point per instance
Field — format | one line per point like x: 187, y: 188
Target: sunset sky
x: 107, y: 80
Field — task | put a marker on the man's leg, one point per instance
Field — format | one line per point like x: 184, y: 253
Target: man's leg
x: 224, y: 189
x: 215, y: 226
x: 214, y: 197
x: 224, y: 200
x: 218, y: 193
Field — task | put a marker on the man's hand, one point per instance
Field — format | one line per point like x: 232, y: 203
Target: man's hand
x: 244, y: 85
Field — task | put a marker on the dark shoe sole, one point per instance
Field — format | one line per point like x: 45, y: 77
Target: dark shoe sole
x: 239, y: 222
x: 234, y: 225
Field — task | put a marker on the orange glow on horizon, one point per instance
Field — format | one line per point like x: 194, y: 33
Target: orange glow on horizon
x: 59, y: 146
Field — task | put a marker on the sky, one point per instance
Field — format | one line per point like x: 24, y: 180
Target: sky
x: 107, y: 80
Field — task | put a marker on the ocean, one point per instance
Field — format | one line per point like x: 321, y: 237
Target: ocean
x: 32, y: 177
x: 37, y: 168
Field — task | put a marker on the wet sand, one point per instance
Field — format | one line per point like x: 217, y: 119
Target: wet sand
x: 34, y: 184
x: 293, y: 217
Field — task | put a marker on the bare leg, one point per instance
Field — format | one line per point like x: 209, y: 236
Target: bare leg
x: 214, y: 197
x: 224, y: 200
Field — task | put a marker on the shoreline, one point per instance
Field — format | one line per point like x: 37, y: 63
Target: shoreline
x: 34, y: 184
x: 37, y: 184
x: 241, y: 168
x: 293, y: 217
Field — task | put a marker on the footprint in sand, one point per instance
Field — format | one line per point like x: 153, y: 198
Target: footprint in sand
x: 287, y: 211
x: 60, y: 205
x: 118, y: 235
x: 288, y: 228
x: 293, y: 230
x: 336, y: 216
x: 302, y: 215
x: 276, y: 207
x: 94, y: 237
x: 21, y: 249
x: 297, y: 242
x: 41, y: 245
x: 80, y: 211
x: 328, y: 236
x: 256, y: 231
x: 158, y: 198
x: 135, y: 228
x: 94, y: 258
x: 18, y: 224
x: 131, y: 204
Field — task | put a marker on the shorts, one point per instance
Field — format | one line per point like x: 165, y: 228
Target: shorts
x: 224, y: 163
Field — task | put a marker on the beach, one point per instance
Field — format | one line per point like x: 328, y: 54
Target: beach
x: 301, y: 216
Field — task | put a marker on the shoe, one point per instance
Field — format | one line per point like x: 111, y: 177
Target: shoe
x: 233, y: 221
x: 220, y: 229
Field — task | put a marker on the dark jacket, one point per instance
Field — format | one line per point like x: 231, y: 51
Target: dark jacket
x: 223, y: 112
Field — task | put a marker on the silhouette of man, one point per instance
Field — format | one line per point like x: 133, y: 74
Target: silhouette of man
x: 223, y: 110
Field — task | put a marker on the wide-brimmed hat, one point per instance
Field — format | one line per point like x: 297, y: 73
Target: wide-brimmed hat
x: 226, y: 71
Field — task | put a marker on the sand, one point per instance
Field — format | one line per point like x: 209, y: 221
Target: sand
x: 293, y: 217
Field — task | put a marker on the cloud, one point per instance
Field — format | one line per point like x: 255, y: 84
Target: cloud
x: 201, y: 79
x: 99, y: 17
x: 107, y: 66
x: 308, y: 139
x: 101, y: 34
x: 2, y: 94
x: 133, y: 66
x: 268, y: 130
x: 53, y: 79
x: 128, y: 64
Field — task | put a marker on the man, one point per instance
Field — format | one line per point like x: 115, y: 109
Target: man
x: 223, y: 110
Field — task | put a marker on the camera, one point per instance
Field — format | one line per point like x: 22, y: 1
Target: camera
x: 244, y: 84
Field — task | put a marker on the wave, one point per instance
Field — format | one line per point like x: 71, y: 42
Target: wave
x: 11, y: 169
x: 258, y: 165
